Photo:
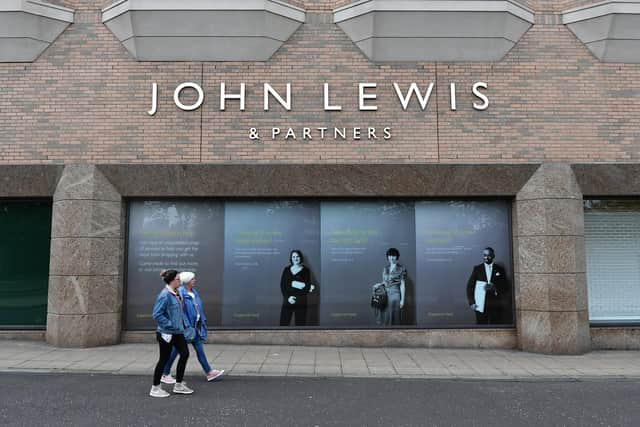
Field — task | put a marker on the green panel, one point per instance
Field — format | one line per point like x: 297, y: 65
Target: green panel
x: 25, y: 230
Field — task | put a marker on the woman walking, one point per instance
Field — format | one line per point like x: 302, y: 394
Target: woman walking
x: 194, y: 317
x: 167, y: 312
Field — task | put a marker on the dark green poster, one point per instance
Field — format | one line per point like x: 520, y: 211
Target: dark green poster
x: 25, y: 228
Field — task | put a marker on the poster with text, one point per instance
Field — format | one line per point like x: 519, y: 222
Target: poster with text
x: 180, y: 235
x: 355, y: 240
x: 259, y: 237
x: 450, y: 238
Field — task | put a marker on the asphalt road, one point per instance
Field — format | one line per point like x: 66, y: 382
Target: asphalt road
x: 97, y: 400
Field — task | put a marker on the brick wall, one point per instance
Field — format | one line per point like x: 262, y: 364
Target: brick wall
x: 85, y: 99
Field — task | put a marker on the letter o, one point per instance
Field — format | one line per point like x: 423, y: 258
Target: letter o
x: 178, y: 91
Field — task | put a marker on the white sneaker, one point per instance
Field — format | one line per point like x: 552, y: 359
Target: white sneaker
x: 167, y: 379
x: 182, y: 388
x: 157, y: 391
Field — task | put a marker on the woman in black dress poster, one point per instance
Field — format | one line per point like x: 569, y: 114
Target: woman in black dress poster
x: 295, y: 285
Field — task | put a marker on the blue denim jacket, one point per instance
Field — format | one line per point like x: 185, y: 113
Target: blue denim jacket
x: 167, y: 312
x: 190, y: 313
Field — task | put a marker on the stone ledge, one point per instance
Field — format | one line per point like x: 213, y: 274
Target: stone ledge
x: 22, y: 335
x: 431, y: 338
x: 615, y: 338
x: 348, y: 180
x: 608, y: 179
x: 29, y: 180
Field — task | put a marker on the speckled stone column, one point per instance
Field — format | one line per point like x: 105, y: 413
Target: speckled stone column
x: 551, y: 288
x: 85, y: 274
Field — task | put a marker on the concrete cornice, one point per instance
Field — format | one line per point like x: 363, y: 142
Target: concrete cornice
x: 39, y: 8
x: 600, y: 9
x: 366, y: 6
x: 610, y: 30
x: 202, y: 30
x: 28, y: 27
x: 434, y: 30
x: 273, y: 6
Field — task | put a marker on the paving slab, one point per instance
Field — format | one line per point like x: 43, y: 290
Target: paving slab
x: 301, y: 370
x: 17, y: 356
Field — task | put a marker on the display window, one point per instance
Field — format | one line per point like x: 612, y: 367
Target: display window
x: 612, y: 241
x: 326, y: 263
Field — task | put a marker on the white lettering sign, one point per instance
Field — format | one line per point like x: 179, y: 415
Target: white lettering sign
x: 178, y: 91
x: 364, y: 92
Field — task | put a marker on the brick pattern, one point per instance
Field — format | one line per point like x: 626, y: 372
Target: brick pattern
x: 556, y: 5
x: 85, y: 99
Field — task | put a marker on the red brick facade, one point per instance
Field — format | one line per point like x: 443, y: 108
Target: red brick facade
x: 85, y: 100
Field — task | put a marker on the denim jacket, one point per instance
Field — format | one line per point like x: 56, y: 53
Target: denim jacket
x: 167, y: 312
x: 190, y: 313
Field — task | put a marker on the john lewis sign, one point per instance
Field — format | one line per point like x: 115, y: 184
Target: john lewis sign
x: 365, y: 95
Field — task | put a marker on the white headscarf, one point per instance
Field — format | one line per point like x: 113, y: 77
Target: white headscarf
x: 186, y: 277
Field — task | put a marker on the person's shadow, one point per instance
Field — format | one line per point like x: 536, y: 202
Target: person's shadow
x: 408, y: 313
x: 313, y: 302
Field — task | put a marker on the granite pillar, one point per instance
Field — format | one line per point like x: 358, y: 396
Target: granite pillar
x: 85, y: 274
x: 551, y: 287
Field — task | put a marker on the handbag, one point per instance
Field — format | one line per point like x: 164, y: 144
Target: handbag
x: 189, y: 333
x: 379, y: 297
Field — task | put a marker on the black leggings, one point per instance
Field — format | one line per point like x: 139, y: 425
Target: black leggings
x: 177, y: 341
x: 288, y: 311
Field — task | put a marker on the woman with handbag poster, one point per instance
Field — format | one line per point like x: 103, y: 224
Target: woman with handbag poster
x: 167, y: 312
x: 194, y: 319
x: 393, y: 279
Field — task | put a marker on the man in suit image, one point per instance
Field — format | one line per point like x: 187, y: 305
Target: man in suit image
x: 487, y: 280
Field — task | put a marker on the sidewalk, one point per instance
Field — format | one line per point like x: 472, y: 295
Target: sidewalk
x: 139, y: 359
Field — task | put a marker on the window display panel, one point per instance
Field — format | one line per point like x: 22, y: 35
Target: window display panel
x: 25, y: 228
x: 356, y: 237
x: 181, y: 235
x: 260, y: 287
x: 461, y: 247
x: 326, y: 263
x: 612, y: 240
